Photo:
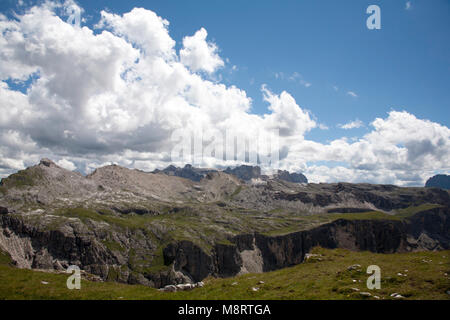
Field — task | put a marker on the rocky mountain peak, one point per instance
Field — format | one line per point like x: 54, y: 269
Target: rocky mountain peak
x: 291, y: 177
x: 245, y: 172
x: 47, y: 162
x: 439, y: 181
x: 187, y: 172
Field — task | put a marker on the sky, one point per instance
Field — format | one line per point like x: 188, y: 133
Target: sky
x: 350, y: 103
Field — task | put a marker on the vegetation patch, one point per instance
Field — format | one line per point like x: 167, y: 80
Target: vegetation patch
x: 23, y: 178
x: 417, y: 275
x: 410, y: 211
x: 236, y: 192
x: 5, y: 258
x: 113, y: 246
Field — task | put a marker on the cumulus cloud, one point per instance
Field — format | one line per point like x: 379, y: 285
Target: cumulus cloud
x: 398, y: 150
x: 286, y: 115
x: 143, y: 28
x: 66, y: 164
x: 117, y: 94
x: 352, y: 124
x: 200, y: 55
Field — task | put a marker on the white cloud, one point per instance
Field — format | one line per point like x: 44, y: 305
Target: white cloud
x: 353, y: 94
x: 279, y: 75
x: 200, y: 55
x: 306, y: 84
x: 294, y: 77
x: 117, y: 94
x: 286, y: 115
x: 408, y: 5
x: 400, y: 149
x: 352, y: 124
x: 66, y: 164
x: 143, y: 28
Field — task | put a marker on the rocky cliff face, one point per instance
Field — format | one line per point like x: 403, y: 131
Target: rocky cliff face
x: 32, y: 247
x: 428, y: 230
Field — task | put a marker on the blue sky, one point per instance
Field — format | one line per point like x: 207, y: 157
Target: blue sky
x: 320, y: 52
x: 403, y: 66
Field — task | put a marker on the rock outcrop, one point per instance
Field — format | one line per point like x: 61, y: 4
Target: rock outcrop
x: 187, y: 262
x: 291, y: 177
x: 37, y: 248
x: 439, y: 181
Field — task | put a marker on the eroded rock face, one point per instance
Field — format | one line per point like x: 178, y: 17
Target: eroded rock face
x: 189, y: 259
x: 428, y: 230
x: 33, y: 247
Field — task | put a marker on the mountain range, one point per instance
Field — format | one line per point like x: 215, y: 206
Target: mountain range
x: 181, y: 225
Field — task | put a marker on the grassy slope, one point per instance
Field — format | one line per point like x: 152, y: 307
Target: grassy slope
x: 327, y: 278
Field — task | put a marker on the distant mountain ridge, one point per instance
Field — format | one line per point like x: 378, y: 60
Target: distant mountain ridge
x: 439, y: 181
x: 243, y: 172
x: 292, y: 177
x: 188, y: 172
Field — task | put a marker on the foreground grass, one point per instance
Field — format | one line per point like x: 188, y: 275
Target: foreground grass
x: 325, y: 276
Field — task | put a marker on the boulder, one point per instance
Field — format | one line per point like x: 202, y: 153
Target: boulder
x: 169, y: 288
x: 184, y: 286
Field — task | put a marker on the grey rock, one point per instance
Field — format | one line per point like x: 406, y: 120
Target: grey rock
x: 188, y: 172
x: 170, y: 288
x: 245, y: 172
x: 185, y: 286
x: 365, y: 294
x: 291, y: 177
x: 354, y: 267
